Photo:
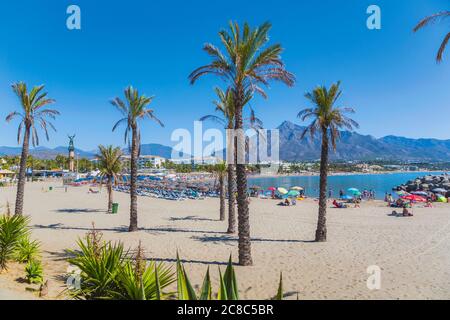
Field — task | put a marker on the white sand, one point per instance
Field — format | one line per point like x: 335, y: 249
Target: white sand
x: 413, y: 253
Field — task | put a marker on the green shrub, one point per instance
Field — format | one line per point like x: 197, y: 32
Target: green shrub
x: 33, y: 272
x: 228, y: 288
x: 12, y: 230
x: 108, y: 273
x: 99, y: 263
x: 27, y: 250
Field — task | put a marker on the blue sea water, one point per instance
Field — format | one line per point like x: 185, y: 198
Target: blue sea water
x: 380, y: 183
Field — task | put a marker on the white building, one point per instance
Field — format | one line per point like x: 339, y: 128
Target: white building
x: 146, y: 161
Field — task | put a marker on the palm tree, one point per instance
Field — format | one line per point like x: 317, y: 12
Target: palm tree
x: 225, y: 106
x: 110, y: 166
x: 246, y: 66
x: 134, y: 108
x: 327, y: 120
x: 220, y: 170
x: 432, y: 19
x: 33, y: 114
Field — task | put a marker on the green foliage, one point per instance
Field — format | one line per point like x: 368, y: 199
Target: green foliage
x: 33, y: 272
x: 109, y: 162
x: 99, y: 262
x: 12, y: 230
x: 185, y: 289
x: 228, y: 289
x: 279, y: 295
x: 27, y: 250
x: 108, y: 273
x: 131, y: 285
x: 33, y: 111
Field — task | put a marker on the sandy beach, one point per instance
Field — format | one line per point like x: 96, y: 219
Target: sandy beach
x: 413, y: 253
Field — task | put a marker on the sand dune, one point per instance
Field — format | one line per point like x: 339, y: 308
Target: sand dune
x: 413, y: 253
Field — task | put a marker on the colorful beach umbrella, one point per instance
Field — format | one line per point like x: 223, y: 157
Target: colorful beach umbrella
x: 282, y: 190
x: 293, y: 193
x: 353, y: 191
x: 420, y: 193
x: 402, y: 193
x: 297, y: 188
x: 271, y: 188
x: 414, y: 198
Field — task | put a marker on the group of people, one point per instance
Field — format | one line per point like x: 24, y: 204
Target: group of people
x: 288, y: 202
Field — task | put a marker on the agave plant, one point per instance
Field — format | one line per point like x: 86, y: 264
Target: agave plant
x: 107, y: 272
x: 12, y: 230
x: 99, y: 264
x: 33, y: 272
x: 228, y: 285
x: 27, y: 250
x: 146, y: 286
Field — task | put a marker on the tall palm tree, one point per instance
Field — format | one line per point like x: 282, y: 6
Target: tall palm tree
x: 32, y: 114
x: 327, y: 120
x: 134, y: 108
x: 247, y: 66
x: 430, y: 20
x: 110, y: 166
x: 225, y: 105
x: 220, y: 170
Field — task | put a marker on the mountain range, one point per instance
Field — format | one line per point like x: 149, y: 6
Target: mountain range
x: 355, y: 146
x: 351, y: 146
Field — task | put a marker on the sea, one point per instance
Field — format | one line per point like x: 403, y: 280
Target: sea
x: 380, y: 183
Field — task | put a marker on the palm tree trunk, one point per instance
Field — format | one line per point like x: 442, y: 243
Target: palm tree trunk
x: 321, y: 231
x: 133, y: 182
x: 231, y: 199
x: 245, y: 254
x: 222, y: 193
x: 18, y: 211
x: 110, y: 194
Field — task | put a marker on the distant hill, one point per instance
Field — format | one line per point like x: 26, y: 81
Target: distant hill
x: 154, y: 149
x: 354, y: 146
x: 48, y: 153
x: 44, y: 152
x: 351, y: 146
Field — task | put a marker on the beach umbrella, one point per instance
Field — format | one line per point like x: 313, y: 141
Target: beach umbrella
x: 346, y: 197
x: 439, y: 190
x: 402, y: 193
x: 353, y: 191
x: 297, y: 188
x: 271, y: 188
x: 414, y: 198
x: 282, y: 190
x: 293, y: 193
x: 420, y: 193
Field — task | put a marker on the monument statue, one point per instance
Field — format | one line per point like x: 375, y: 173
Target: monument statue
x: 71, y: 153
x: 71, y: 145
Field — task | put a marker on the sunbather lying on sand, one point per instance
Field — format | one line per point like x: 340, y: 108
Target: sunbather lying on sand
x: 405, y: 213
x: 339, y: 205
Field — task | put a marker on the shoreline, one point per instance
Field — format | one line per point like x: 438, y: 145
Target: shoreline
x: 343, y: 174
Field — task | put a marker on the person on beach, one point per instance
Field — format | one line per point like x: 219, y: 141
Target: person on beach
x: 406, y: 212
x: 330, y: 193
x: 341, y: 194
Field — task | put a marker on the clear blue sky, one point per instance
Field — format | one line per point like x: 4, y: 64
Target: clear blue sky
x: 389, y: 76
